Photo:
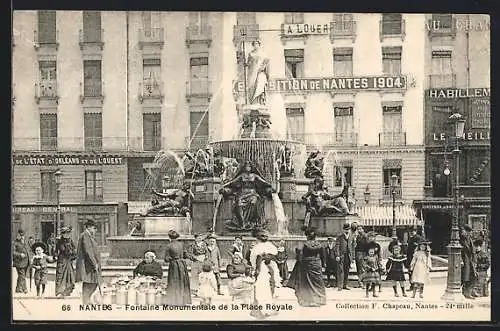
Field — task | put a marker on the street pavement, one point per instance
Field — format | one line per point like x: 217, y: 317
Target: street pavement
x: 346, y: 305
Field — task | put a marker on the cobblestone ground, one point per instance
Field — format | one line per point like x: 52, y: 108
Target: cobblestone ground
x: 341, y: 305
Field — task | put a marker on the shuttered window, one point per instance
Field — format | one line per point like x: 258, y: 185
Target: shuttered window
x: 48, y: 132
x: 92, y: 26
x: 152, y: 132
x: 93, y: 131
x: 47, y: 27
x: 295, y: 123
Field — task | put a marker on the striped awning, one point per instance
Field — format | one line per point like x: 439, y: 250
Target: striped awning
x: 382, y: 215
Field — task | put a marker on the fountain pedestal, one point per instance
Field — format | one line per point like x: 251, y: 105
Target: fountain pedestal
x: 332, y: 225
x: 160, y: 225
x: 256, y: 121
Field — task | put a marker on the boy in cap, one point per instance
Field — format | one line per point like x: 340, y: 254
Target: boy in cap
x: 39, y: 264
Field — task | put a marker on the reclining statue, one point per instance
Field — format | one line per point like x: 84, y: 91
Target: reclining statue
x: 176, y: 202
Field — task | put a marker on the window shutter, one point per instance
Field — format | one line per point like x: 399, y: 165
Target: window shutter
x: 47, y: 26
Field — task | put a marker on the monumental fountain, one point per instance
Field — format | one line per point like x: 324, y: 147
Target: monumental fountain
x: 233, y: 187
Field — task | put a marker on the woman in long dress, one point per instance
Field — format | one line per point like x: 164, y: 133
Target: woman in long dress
x: 307, y: 276
x: 65, y: 253
x: 266, y: 272
x: 178, y: 290
x: 258, y: 74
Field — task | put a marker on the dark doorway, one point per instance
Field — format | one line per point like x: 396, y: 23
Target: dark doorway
x: 437, y: 230
x: 47, y: 231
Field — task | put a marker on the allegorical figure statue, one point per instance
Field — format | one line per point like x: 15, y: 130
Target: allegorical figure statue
x: 249, y: 188
x: 257, y: 75
x: 320, y: 203
x: 173, y: 203
x: 314, y: 165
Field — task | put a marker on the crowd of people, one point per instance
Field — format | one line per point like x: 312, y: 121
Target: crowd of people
x: 255, y: 272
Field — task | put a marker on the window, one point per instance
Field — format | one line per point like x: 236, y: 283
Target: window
x: 92, y: 83
x: 245, y: 18
x: 48, y: 76
x: 151, y: 22
x: 152, y: 132
x: 93, y: 185
x: 198, y: 67
x: 392, y: 24
x: 295, y: 123
x: 344, y: 123
x: 343, y: 22
x: 91, y: 26
x: 102, y: 223
x: 93, y: 131
x: 48, y: 187
x: 151, y: 76
x: 47, y: 27
x: 392, y: 167
x: 48, y: 132
x: 198, y: 21
x: 391, y: 60
x: 440, y: 118
x: 478, y: 167
x: 294, y: 60
x: 343, y: 175
x: 199, y: 129
x: 445, y: 21
x: 294, y: 18
x: 392, y: 119
x: 442, y: 69
x: 342, y: 62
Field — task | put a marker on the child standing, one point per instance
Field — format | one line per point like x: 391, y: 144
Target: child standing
x: 372, y: 267
x: 207, y: 284
x: 482, y: 266
x: 395, y: 269
x: 420, y: 267
x: 39, y: 264
x: 282, y: 259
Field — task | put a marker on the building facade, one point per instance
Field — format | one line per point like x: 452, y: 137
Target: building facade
x: 458, y: 68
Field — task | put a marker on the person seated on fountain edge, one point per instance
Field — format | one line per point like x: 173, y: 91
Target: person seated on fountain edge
x: 149, y: 266
x: 319, y: 201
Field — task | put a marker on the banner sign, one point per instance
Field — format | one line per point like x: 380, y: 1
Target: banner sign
x: 332, y: 84
x: 471, y: 135
x: 455, y: 93
x: 53, y: 160
x: 303, y: 29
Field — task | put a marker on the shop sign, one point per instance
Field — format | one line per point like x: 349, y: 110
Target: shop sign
x: 56, y: 160
x: 304, y: 29
x: 471, y: 135
x: 333, y: 84
x: 40, y: 209
x: 480, y: 206
x: 455, y: 93
x: 439, y: 206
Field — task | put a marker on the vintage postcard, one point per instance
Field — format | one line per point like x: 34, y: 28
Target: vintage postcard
x: 250, y: 166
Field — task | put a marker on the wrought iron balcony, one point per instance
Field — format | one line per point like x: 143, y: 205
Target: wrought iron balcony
x: 442, y: 80
x: 436, y: 28
x: 93, y: 38
x: 199, y: 35
x: 92, y: 89
x: 392, y: 139
x: 388, y: 191
x: 46, y: 90
x: 151, y: 37
x: 108, y: 144
x: 342, y: 29
x: 199, y: 88
x: 45, y: 41
x: 326, y: 139
x: 151, y: 89
x: 392, y: 28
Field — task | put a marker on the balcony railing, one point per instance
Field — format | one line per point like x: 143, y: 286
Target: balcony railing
x: 198, y: 88
x: 392, y: 139
x: 199, y: 34
x: 91, y: 38
x: 46, y: 90
x: 325, y: 139
x: 45, y: 42
x: 246, y: 33
x: 436, y: 28
x: 151, y: 37
x: 342, y: 29
x: 387, y: 192
x: 442, y: 80
x: 93, y: 143
x: 111, y: 144
x: 197, y: 142
x: 92, y: 89
x: 151, y: 89
x: 392, y: 28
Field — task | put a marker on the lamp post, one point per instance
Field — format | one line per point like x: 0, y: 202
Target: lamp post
x: 394, y: 184
x: 453, y: 290
x: 58, y: 175
x: 367, y: 194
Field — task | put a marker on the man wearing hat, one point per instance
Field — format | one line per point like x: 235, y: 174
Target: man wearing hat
x: 468, y: 262
x: 330, y: 263
x: 88, y: 264
x: 343, y: 257
x: 412, y: 245
x: 21, y: 261
x: 214, y: 257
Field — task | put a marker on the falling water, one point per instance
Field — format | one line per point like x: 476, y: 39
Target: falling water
x: 281, y: 219
x: 330, y: 161
x: 216, y: 211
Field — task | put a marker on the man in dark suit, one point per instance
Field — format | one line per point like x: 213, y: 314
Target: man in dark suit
x: 88, y: 264
x: 413, y: 241
x: 343, y: 257
x: 21, y: 261
x: 331, y: 263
